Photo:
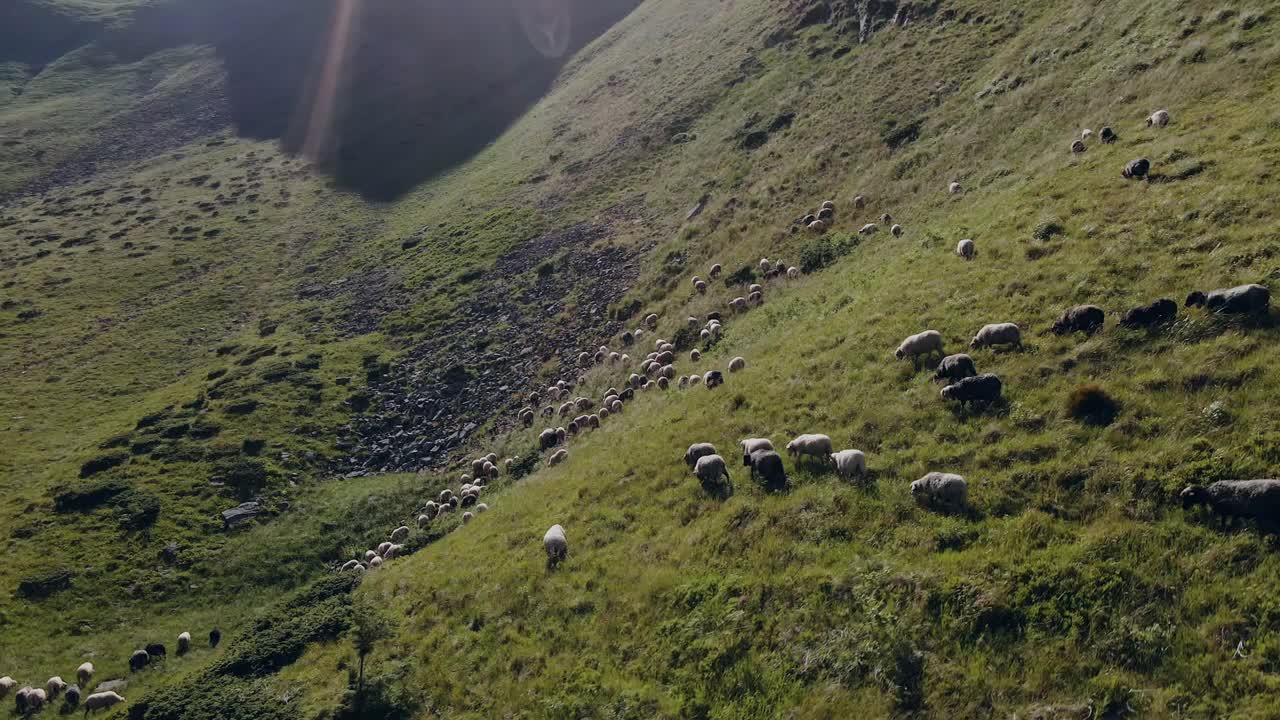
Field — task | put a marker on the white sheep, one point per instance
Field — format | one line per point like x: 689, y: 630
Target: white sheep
x: 556, y: 545
x: 481, y: 507
x: 695, y: 380
x: 184, y: 642
x: 941, y: 490
x: 369, y: 555
x: 697, y: 451
x: 101, y: 701
x: 896, y: 230
x: 700, y: 287
x: 55, y: 685
x: 737, y: 364
x: 1086, y: 134
x: 755, y: 288
x: 466, y: 517
x: 793, y: 273
x: 695, y: 355
x: 750, y: 445
x: 997, y: 334
x: 36, y: 700
x: 966, y: 249
x: 84, y: 673
x: 817, y: 227
x: 738, y: 304
x: 954, y: 188
x: 715, y: 271
x: 375, y: 563
x: 755, y: 298
x: 859, y: 201
x: 393, y: 552
x: 651, y: 320
x: 7, y: 683
x: 557, y: 457
x: 382, y: 548
x: 584, y: 360
x: 348, y: 566
x: 400, y: 534
x: 850, y: 462
x: 710, y: 468
x: 868, y: 229
x: 1159, y: 118
x: 921, y: 344
x: 811, y: 445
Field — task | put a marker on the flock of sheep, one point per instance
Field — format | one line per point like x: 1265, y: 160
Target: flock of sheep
x: 29, y: 700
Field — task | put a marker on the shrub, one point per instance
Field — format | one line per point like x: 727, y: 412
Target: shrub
x: 1045, y: 230
x: 744, y: 275
x: 43, y: 584
x: 106, y: 461
x: 246, y: 475
x: 1092, y: 405
x: 895, y: 136
x: 138, y: 509
x: 823, y: 251
x: 87, y: 496
x: 321, y: 611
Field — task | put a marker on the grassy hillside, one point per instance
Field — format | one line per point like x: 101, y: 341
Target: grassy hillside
x: 226, y: 324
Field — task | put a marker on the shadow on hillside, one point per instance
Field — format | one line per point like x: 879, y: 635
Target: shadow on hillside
x: 384, y: 95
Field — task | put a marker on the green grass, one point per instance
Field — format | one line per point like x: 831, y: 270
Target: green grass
x: 1075, y: 579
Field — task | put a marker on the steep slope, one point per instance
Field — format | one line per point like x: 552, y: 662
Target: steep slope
x: 354, y: 334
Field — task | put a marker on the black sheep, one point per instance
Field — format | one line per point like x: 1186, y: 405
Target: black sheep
x: 1136, y: 169
x: 1087, y: 319
x: 1242, y: 300
x: 714, y: 379
x: 215, y: 637
x: 1108, y: 135
x: 1256, y: 499
x: 766, y: 465
x: 156, y: 650
x: 985, y: 388
x: 955, y: 367
x: 1157, y: 313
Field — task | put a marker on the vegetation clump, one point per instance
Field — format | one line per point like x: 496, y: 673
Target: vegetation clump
x: 1092, y: 405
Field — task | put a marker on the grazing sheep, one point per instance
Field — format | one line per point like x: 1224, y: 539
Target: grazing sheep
x: 755, y: 299
x: 1244, y: 499
x: 850, y: 463
x: 738, y: 304
x: 695, y: 355
x: 7, y: 683
x: 955, y: 367
x: 556, y: 545
x: 954, y: 188
x: 1108, y: 136
x: 817, y: 227
x: 382, y: 548
x: 828, y: 205
x: 84, y: 673
x: 215, y: 637
x: 922, y: 344
x: 557, y: 457
x: 1086, y: 134
x: 808, y: 219
x: 72, y: 698
x: 766, y: 465
x: 765, y: 265
x: 663, y: 383
x: 527, y: 417
x: 868, y: 229
x: 573, y: 428
x: 1159, y: 312
x: 695, y: 380
x: 698, y: 450
x: 896, y: 230
x: 945, y: 491
x: 628, y: 339
x: 886, y: 219
x: 584, y: 360
x: 985, y: 388
x: 750, y: 445
x: 375, y: 563
x: 859, y: 201
x: 683, y: 382
x: 826, y: 215
x: 350, y: 565
x: 55, y: 685
x: 21, y: 700
x: 616, y: 407
x: 1159, y: 118
x: 666, y: 357
x: 400, y: 534
x: 639, y: 333
x: 715, y: 271
x: 700, y: 287
x: 156, y: 650
x: 184, y: 642
x: 101, y: 701
x: 370, y: 554
x: 547, y: 439
x: 651, y: 321
x: 138, y: 660
x: 755, y: 288
x: 1244, y: 299
x: 36, y: 700
x: 1136, y: 169
x: 1087, y: 319
x: 793, y: 273
x: 709, y: 469
x: 445, y: 495
x: 714, y: 316
x: 966, y: 249
x: 997, y: 334
x: 737, y: 364
x: 481, y: 507
x: 466, y: 517
x: 715, y: 330
x: 393, y: 552
x: 1078, y: 146
x: 811, y: 445
x: 713, y: 379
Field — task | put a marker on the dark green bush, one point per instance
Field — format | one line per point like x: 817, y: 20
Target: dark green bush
x: 106, y: 461
x: 43, y: 584
x: 1092, y: 405
x: 137, y: 509
x: 744, y: 275
x: 87, y: 496
x: 823, y: 251
x: 246, y: 475
x: 209, y: 697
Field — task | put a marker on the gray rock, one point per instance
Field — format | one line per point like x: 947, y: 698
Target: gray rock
x: 240, y: 513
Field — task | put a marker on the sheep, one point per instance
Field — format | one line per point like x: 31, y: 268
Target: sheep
x: 527, y: 417
x: 946, y: 491
x: 985, y: 388
x: 810, y: 445
x: 400, y: 534
x: 700, y: 287
x: 582, y: 403
x: 808, y: 219
x: 954, y: 188
x: 1161, y: 311
x: 859, y: 201
x: 55, y: 685
x: 375, y: 563
x: 1087, y: 319
x: 955, y: 367
x: 481, y: 507
x: 138, y: 660
x: 793, y: 273
x: 695, y: 280
x: 755, y: 288
x: 1244, y: 499
x: 738, y: 304
x: 573, y: 428
x: 663, y: 383
x: 1136, y: 169
x: 348, y: 566
x: 1244, y: 299
x: 868, y: 229
x: 445, y: 495
x: 1159, y: 118
x: 101, y: 701
x: 370, y: 554
x: 616, y: 407
x: 750, y: 445
x: 666, y: 357
x: 713, y: 379
x: 156, y: 650
x: 966, y: 249
x: 72, y: 697
x: 709, y: 469
x: 1086, y: 134
x: 556, y: 545
x: 84, y: 673
x: 184, y: 642
x: 382, y: 548
x: 548, y: 411
x: 997, y: 334
x: 921, y: 344
x: 715, y: 330
x: 557, y: 457
x: 393, y: 552
x: 7, y: 683
x: 215, y: 637
x: 886, y: 219
x: 698, y: 450
x: 1107, y: 135
x: 628, y: 339
x: 765, y: 265
x: 849, y: 463
x: 21, y: 700
x: 651, y: 321
x: 584, y: 360
x: 766, y: 465
x: 755, y: 299
x: 737, y: 364
x: 683, y: 382
x: 639, y: 333
x: 715, y: 271
x: 695, y: 380
x: 487, y: 471
x: 1078, y: 146
x: 817, y: 227
x: 896, y: 230
x: 695, y: 355
x: 546, y: 439
x: 466, y: 517
x: 36, y: 700
x: 826, y: 215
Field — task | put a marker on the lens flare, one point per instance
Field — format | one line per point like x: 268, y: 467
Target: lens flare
x: 547, y: 24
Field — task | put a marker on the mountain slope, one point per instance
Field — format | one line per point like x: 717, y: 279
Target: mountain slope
x: 1074, y: 581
